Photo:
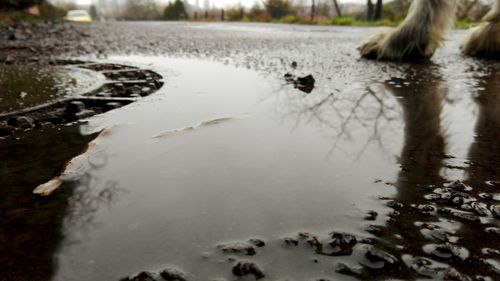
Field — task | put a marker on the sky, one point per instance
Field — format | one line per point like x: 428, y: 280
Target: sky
x: 225, y: 3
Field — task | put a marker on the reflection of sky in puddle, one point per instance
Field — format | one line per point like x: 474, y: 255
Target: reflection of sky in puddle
x: 259, y: 174
x: 286, y: 162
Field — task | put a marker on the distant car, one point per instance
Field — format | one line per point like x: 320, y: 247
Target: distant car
x: 78, y: 16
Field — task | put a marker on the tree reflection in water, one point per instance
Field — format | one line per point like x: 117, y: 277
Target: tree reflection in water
x: 436, y: 224
x: 32, y: 227
x: 439, y: 226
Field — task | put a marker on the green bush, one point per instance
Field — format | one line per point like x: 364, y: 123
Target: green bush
x: 342, y: 21
x: 289, y: 19
x: 15, y: 16
x: 464, y: 24
x: 51, y: 12
x: 278, y: 8
x: 175, y: 11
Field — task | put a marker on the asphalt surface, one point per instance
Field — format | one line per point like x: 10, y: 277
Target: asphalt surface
x: 328, y: 52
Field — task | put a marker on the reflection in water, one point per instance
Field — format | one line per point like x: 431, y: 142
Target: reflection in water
x: 354, y: 121
x: 432, y: 218
x: 194, y: 193
x: 484, y: 152
x: 31, y: 227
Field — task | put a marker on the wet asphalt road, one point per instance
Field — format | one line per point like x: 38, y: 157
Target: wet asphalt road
x: 327, y: 52
x: 255, y: 45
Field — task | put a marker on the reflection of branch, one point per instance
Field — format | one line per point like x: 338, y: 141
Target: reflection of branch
x: 313, y: 109
x: 375, y: 136
x: 381, y: 113
x: 344, y: 124
x: 89, y: 195
x: 373, y: 111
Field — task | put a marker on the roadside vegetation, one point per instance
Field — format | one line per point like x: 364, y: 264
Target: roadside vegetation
x: 319, y: 12
x: 29, y: 11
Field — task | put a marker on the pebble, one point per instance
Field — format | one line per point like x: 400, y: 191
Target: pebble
x: 244, y: 268
x: 173, y: 274
x: 238, y: 247
x: 143, y: 276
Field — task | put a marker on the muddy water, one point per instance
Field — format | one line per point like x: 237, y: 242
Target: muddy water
x: 223, y: 154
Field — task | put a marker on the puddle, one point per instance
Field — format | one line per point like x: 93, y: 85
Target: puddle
x: 222, y: 155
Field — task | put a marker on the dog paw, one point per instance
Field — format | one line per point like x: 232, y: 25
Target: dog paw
x: 371, y: 48
x: 399, y: 45
x: 483, y: 41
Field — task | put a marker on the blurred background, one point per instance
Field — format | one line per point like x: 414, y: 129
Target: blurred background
x: 322, y: 12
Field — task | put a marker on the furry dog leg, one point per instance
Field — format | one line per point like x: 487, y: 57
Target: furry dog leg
x: 484, y: 40
x: 418, y: 36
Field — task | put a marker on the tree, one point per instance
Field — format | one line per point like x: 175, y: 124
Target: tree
x: 19, y: 4
x: 369, y: 10
x: 257, y: 13
x: 313, y: 8
x: 378, y: 10
x: 175, y: 11
x: 337, y: 8
x: 141, y: 10
x: 235, y: 13
x: 93, y: 12
x: 278, y: 8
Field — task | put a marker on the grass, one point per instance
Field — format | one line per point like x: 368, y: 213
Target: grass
x: 352, y: 21
x: 345, y: 21
x: 47, y: 12
x: 464, y: 24
x: 15, y: 16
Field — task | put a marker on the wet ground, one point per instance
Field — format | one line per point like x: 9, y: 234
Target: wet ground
x: 241, y: 166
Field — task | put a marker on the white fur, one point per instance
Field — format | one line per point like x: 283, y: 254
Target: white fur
x: 420, y: 34
x: 484, y: 40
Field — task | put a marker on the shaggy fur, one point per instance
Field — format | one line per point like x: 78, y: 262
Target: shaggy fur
x: 484, y: 41
x: 424, y: 30
x: 420, y: 34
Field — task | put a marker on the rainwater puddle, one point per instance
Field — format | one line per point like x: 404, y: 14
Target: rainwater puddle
x: 223, y: 154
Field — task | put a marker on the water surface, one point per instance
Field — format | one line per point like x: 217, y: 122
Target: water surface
x: 224, y: 153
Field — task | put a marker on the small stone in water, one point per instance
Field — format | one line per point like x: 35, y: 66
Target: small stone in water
x: 74, y: 107
x: 378, y: 258
x: 457, y: 185
x: 22, y: 122
x: 453, y: 274
x: 143, y: 276
x: 257, y: 242
x: 492, y: 230
x: 495, y: 210
x: 373, y: 229
x: 173, y: 274
x: 291, y: 241
x: 238, y: 247
x: 248, y: 268
x: 371, y: 216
